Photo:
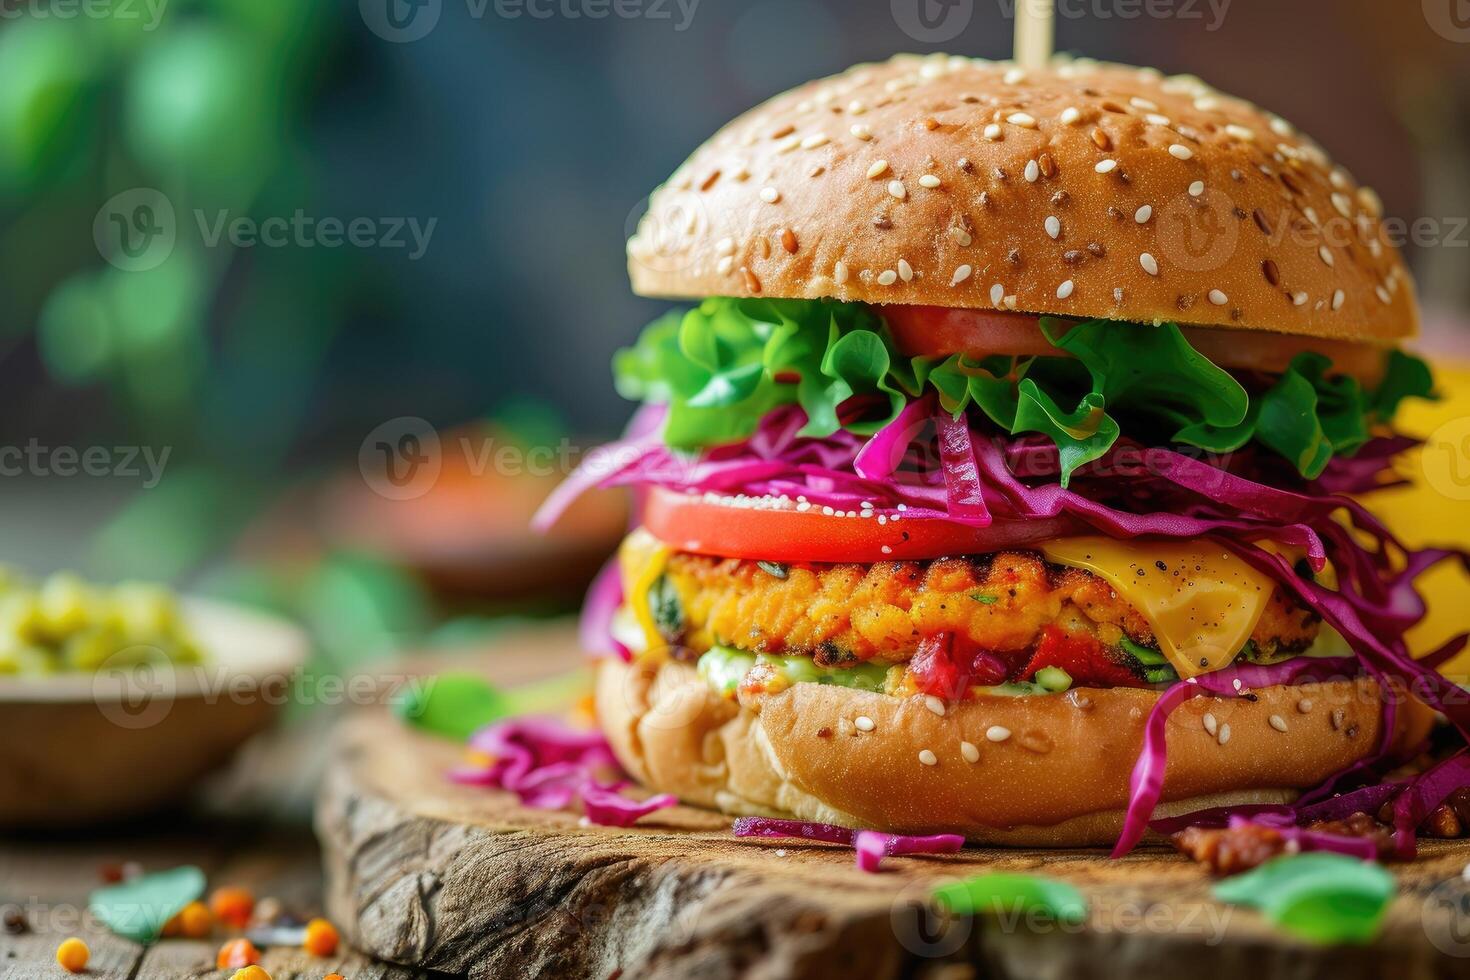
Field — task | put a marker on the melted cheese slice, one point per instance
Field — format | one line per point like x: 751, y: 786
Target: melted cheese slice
x: 1202, y: 600
x: 642, y: 560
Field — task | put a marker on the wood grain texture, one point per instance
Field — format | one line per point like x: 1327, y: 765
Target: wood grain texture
x: 48, y: 878
x: 464, y: 880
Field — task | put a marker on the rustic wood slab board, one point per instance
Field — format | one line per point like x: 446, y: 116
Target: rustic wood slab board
x: 464, y: 880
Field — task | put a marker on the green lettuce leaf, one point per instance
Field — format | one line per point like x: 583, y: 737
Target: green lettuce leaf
x: 725, y: 364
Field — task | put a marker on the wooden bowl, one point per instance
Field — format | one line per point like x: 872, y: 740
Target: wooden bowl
x: 83, y: 749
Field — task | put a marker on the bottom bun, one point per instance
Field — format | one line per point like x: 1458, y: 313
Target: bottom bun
x: 1046, y: 771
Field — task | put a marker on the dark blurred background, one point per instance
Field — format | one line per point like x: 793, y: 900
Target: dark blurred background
x: 518, y: 140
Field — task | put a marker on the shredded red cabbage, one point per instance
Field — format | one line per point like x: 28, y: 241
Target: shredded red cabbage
x: 805, y: 829
x: 550, y: 765
x: 871, y: 845
x: 594, y: 630
x: 1363, y: 848
x: 603, y: 804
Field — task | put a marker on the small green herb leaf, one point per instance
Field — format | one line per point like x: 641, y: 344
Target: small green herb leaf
x: 1012, y: 896
x: 985, y: 598
x: 1323, y: 897
x: 139, y: 908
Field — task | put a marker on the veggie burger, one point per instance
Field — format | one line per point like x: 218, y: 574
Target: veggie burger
x: 1003, y: 479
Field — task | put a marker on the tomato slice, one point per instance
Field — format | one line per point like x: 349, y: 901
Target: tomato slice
x: 691, y: 522
x: 938, y: 331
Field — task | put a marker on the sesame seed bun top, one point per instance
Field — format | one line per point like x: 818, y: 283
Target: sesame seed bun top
x: 1081, y: 190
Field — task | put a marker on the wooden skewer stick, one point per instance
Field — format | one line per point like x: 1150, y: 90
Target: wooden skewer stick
x: 1035, y: 32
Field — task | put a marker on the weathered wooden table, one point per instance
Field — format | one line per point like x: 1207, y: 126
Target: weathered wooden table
x: 47, y: 880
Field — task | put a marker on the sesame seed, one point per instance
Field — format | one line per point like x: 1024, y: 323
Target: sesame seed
x: 928, y: 758
x: 1197, y: 188
x: 857, y: 107
x: 1207, y: 104
x: 934, y: 704
x: 1144, y: 104
x: 993, y: 132
x: 1033, y: 171
x: 960, y: 236
x: 1070, y: 116
x: 886, y: 550
x: 1106, y: 166
x: 1014, y: 76
x: 960, y: 275
x: 1383, y: 295
x: 1218, y: 298
x: 1304, y: 705
x: 1180, y: 151
x: 1277, y: 722
x: 1326, y: 255
x: 1299, y: 299
x: 788, y: 144
x: 862, y: 131
x: 1241, y: 132
x: 887, y: 277
x: 878, y: 168
x: 896, y: 188
x: 839, y: 271
x: 1281, y: 127
x: 725, y: 264
x: 969, y: 752
x: 1143, y: 214
x: 1012, y: 301
x: 813, y: 141
x: 1370, y: 201
x: 1054, y: 226
x: 1344, y: 205
x: 1224, y: 735
x: 997, y: 294
x: 1023, y: 119
x: 1065, y: 289
x: 1210, y: 724
x: 1149, y: 263
x: 725, y: 246
x: 997, y: 733
x: 905, y: 271
x: 1338, y: 298
x: 770, y: 195
x: 863, y: 723
x: 929, y: 180
x: 1158, y: 120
